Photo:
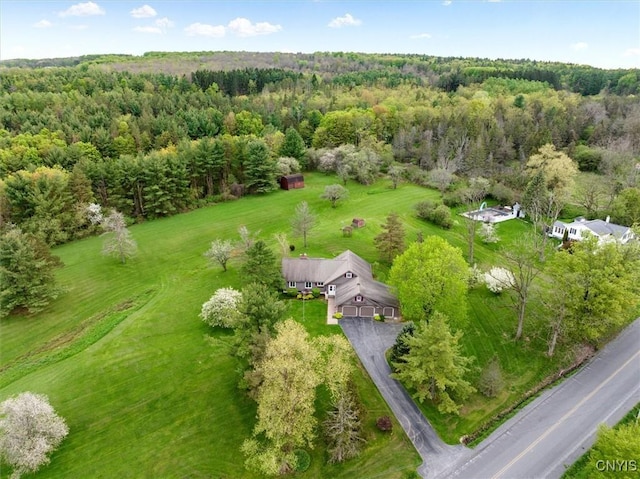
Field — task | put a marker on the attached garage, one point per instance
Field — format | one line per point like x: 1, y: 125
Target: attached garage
x: 367, y: 311
x: 388, y: 312
x: 350, y: 311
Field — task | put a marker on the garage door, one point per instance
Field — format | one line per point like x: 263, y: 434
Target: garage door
x: 388, y: 312
x: 367, y: 311
x: 350, y: 311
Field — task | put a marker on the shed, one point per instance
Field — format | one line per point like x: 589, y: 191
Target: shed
x: 358, y: 222
x: 291, y: 182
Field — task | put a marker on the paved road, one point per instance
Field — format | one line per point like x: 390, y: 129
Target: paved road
x: 556, y: 429
x: 539, y: 442
x: 371, y: 339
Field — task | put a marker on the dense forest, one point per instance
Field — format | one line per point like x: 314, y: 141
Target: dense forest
x: 155, y: 135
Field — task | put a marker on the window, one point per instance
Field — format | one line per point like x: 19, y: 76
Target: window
x: 573, y: 231
x: 291, y: 284
x: 319, y: 284
x: 349, y: 275
x: 359, y: 299
x: 308, y: 284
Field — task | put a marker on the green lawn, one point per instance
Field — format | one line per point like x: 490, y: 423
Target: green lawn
x: 148, y: 390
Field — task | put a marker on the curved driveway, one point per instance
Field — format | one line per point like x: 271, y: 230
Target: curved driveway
x: 549, y: 434
x: 370, y: 339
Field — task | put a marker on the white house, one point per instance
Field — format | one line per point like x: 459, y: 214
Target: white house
x: 603, y: 230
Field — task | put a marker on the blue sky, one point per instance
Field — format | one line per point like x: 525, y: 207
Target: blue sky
x: 599, y: 33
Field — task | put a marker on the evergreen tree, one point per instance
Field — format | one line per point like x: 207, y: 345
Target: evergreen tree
x: 390, y: 242
x: 293, y: 145
x: 260, y: 169
x: 435, y: 367
x: 27, y: 279
x: 262, y: 266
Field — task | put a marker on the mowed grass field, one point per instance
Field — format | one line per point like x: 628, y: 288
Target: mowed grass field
x: 148, y: 390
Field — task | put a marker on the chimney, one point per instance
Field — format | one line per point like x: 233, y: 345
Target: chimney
x: 303, y: 256
x: 608, y: 219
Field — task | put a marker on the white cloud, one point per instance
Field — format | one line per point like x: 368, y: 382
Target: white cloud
x: 145, y: 11
x: 83, y: 10
x: 632, y: 52
x: 161, y: 25
x: 446, y: 3
x: 204, y: 30
x: 346, y: 21
x: 164, y: 23
x: 244, y: 28
x: 494, y: 1
x: 43, y: 24
x: 147, y: 29
x: 79, y: 27
x: 579, y: 46
x: 420, y: 35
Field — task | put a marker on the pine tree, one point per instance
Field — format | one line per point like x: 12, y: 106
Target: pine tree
x: 262, y: 266
x: 435, y: 367
x: 293, y: 145
x: 260, y: 169
x: 27, y: 279
x: 390, y: 242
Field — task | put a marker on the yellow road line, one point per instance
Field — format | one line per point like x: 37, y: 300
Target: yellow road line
x: 552, y: 428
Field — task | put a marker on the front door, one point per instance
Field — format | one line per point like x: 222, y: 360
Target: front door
x: 332, y: 290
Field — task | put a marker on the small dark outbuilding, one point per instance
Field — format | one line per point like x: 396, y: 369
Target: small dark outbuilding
x: 291, y: 182
x: 358, y: 223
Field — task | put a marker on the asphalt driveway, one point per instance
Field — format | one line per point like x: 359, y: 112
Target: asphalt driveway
x: 370, y: 339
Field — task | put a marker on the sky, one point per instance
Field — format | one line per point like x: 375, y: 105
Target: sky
x: 602, y: 33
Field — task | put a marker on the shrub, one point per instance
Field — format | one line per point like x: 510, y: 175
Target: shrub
x: 292, y: 292
x: 476, y: 276
x: 292, y: 247
x: 437, y: 214
x: 491, y: 381
x: 303, y: 460
x: 315, y: 292
x: 454, y: 198
x: 588, y: 159
x: 384, y: 423
x: 337, y: 315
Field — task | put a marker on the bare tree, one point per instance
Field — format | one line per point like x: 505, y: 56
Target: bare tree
x: 119, y: 242
x: 283, y: 243
x: 220, y: 252
x: 475, y: 193
x: 303, y: 221
x: 29, y: 430
x: 524, y: 267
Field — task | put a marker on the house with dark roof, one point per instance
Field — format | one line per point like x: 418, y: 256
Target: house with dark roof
x: 604, y: 230
x: 346, y: 281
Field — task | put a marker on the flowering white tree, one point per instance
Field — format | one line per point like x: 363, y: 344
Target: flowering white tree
x: 222, y: 308
x: 94, y: 213
x: 498, y: 279
x: 220, y: 252
x: 29, y: 430
x: 119, y: 243
x: 488, y: 233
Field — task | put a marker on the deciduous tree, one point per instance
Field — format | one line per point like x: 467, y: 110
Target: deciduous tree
x: 335, y: 194
x: 431, y: 277
x: 29, y: 431
x: 118, y: 242
x: 303, y: 221
x: 473, y: 195
x: 220, y: 252
x: 222, y: 308
x: 285, y: 417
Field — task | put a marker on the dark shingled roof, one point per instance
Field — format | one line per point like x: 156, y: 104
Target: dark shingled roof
x: 330, y: 270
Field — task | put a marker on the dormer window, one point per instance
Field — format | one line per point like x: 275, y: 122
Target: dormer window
x: 359, y: 299
x: 349, y: 275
